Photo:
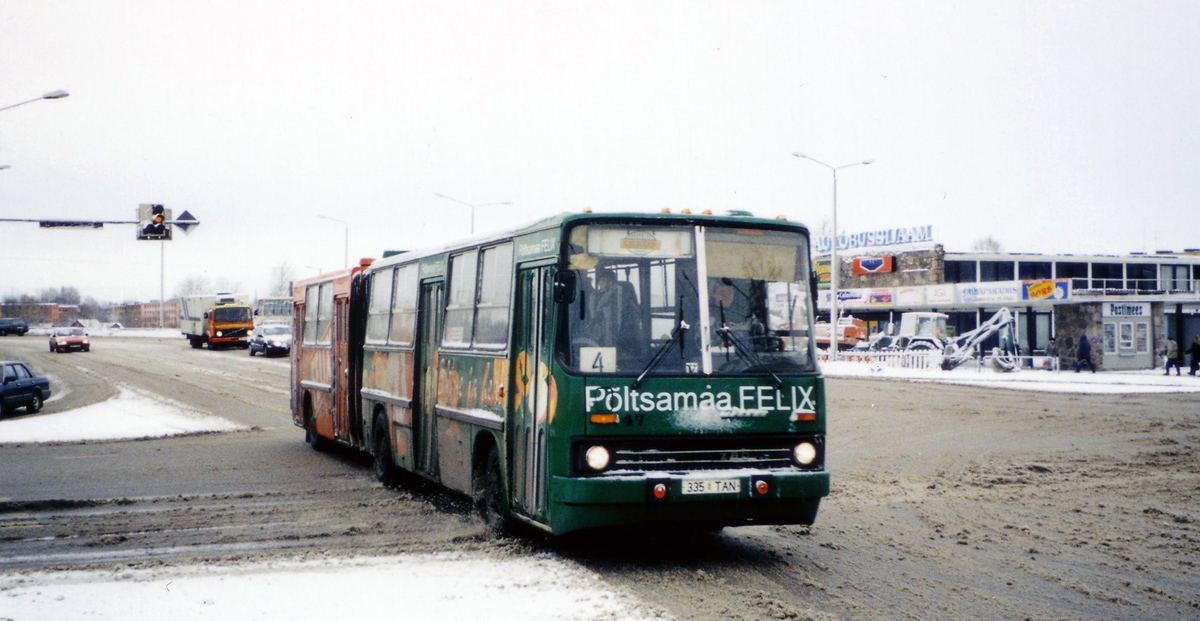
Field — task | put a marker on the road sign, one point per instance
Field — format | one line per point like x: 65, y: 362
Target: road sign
x: 185, y: 221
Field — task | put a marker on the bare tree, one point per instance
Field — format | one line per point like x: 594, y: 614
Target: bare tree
x: 988, y: 244
x: 193, y: 285
x: 282, y: 276
x: 225, y: 285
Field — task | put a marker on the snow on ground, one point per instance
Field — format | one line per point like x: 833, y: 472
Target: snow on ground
x: 444, y: 586
x: 148, y: 333
x: 130, y: 415
x: 1106, y: 382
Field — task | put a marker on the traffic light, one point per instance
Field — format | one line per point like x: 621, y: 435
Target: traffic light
x: 154, y: 222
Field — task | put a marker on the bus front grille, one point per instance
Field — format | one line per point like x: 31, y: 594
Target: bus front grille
x: 673, y: 454
x: 656, y: 460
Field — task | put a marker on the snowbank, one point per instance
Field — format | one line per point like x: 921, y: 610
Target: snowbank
x: 1108, y: 382
x: 131, y: 414
x: 441, y: 587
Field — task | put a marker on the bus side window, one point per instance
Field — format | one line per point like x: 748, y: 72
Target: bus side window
x: 310, y: 315
x: 378, y: 313
x: 404, y: 306
x: 495, y: 295
x: 460, y: 308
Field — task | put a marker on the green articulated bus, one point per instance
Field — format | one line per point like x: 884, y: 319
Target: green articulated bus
x: 587, y: 370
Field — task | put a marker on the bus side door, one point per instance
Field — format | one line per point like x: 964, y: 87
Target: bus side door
x: 341, y: 368
x: 425, y: 371
x: 532, y: 396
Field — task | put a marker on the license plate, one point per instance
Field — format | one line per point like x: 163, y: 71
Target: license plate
x: 712, y: 487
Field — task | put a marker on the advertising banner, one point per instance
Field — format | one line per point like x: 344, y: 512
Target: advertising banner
x: 821, y: 267
x: 872, y: 265
x: 1046, y: 289
x: 880, y: 297
x: 910, y: 296
x: 939, y: 294
x: 990, y: 292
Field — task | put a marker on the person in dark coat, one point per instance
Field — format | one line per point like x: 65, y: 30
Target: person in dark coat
x: 1084, y: 354
x: 1194, y: 351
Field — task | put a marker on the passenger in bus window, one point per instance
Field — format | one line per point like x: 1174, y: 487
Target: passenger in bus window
x: 614, y: 319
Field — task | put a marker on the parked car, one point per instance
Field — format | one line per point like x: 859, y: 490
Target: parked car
x: 66, y: 339
x: 19, y: 387
x: 13, y: 325
x: 271, y: 339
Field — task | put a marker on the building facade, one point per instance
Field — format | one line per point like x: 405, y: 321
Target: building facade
x: 1126, y: 305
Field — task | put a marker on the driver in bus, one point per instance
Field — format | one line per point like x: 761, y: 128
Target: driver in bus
x: 615, y: 318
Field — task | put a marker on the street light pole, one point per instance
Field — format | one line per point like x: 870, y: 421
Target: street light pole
x: 472, y: 206
x: 59, y: 94
x: 346, y: 258
x: 834, y: 266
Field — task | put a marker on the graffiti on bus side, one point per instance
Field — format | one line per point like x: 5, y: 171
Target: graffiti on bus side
x: 391, y: 373
x: 314, y: 365
x: 523, y: 383
x: 469, y: 382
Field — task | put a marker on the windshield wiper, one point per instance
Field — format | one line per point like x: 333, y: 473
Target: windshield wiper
x: 749, y: 356
x: 681, y: 328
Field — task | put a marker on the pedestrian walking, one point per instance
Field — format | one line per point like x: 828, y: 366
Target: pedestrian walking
x: 1052, y: 355
x: 1083, y: 354
x: 1171, y: 351
x: 1194, y: 351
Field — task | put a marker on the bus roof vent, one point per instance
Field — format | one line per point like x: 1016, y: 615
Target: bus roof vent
x: 740, y: 213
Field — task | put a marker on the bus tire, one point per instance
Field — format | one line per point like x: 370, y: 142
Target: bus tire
x: 310, y: 427
x: 385, y: 464
x: 489, y: 496
x: 195, y: 342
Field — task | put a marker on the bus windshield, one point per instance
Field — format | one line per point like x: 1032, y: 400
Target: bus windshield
x: 653, y: 299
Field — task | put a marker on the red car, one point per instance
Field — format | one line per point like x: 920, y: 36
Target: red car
x: 66, y: 339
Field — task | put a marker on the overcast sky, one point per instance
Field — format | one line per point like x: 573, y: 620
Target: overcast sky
x: 1053, y: 126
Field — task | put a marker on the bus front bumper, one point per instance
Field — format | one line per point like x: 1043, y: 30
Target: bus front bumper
x: 712, y: 498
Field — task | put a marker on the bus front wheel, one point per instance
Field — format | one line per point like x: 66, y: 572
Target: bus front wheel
x: 489, y: 496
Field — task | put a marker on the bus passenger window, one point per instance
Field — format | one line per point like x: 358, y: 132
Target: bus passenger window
x: 460, y: 308
x: 404, y: 306
x: 310, y: 315
x: 377, y: 315
x: 495, y: 286
x: 325, y: 315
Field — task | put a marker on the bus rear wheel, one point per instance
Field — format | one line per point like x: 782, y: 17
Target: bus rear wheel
x: 310, y: 428
x: 489, y: 497
x: 385, y: 465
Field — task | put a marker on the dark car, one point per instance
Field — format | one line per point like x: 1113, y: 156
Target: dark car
x: 67, y: 339
x: 12, y: 325
x: 21, y: 388
x: 271, y: 339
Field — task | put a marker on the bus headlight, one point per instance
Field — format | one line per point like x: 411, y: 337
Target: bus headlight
x: 218, y: 333
x: 805, y: 453
x: 596, y: 458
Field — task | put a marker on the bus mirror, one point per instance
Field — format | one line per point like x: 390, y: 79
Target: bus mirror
x: 564, y: 287
x: 812, y: 285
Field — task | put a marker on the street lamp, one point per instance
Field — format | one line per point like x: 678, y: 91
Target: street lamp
x: 59, y: 94
x: 449, y: 198
x: 347, y: 246
x: 834, y: 266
